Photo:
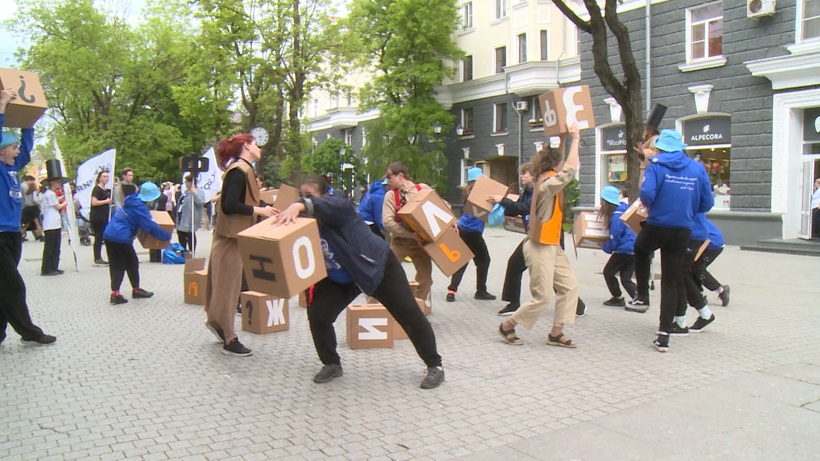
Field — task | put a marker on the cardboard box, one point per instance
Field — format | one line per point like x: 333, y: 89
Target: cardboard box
x: 369, y: 326
x: 282, y: 260
x: 702, y: 249
x: 268, y: 196
x: 150, y: 243
x: 30, y: 104
x: 449, y: 252
x: 427, y: 215
x: 477, y: 203
x: 562, y: 106
x: 195, y: 281
x: 262, y: 313
x: 590, y: 231
x: 515, y: 224
x: 302, y: 300
x: 635, y: 215
x: 285, y: 196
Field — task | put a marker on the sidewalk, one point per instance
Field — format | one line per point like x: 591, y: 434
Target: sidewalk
x: 146, y: 380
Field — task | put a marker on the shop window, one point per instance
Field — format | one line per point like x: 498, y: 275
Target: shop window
x: 717, y: 162
x: 705, y: 32
x: 810, y: 19
x: 612, y: 141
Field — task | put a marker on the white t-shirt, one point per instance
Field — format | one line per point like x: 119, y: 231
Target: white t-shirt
x: 51, y: 216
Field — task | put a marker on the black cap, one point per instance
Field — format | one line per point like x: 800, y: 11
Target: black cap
x: 655, y: 116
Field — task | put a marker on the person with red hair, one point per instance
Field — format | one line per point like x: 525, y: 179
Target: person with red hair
x: 238, y: 206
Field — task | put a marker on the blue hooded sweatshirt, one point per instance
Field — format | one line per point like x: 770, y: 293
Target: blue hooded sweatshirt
x: 470, y: 223
x: 131, y: 217
x: 704, y: 229
x: 621, y: 237
x: 11, y: 198
x: 371, y: 205
x: 675, y: 188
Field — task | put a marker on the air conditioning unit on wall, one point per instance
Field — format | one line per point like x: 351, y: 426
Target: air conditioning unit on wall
x: 521, y: 106
x: 758, y: 8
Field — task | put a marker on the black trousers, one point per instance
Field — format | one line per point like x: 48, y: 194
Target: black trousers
x: 51, y: 251
x: 121, y: 259
x: 13, y: 307
x: 475, y: 242
x: 623, y: 264
x: 673, y: 244
x: 99, y: 229
x: 701, y: 275
x: 694, y: 297
x: 815, y: 223
x: 187, y: 240
x: 27, y: 217
x: 515, y: 271
x: 375, y: 229
x: 331, y: 298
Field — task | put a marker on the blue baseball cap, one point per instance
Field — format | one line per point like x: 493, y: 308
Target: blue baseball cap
x: 611, y: 194
x: 670, y: 141
x: 8, y: 139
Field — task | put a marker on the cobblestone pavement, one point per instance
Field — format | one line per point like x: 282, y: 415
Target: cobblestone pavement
x: 146, y: 380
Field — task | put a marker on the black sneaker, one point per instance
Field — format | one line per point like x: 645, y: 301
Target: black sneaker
x: 220, y: 335
x: 41, y: 340
x: 484, y: 296
x: 451, y: 296
x: 701, y: 323
x: 118, y: 299
x: 580, y: 308
x: 100, y: 262
x: 140, y: 293
x: 613, y: 301
x: 236, y: 348
x: 637, y: 305
x: 662, y: 343
x: 327, y: 373
x: 50, y: 273
x: 678, y: 330
x: 509, y: 309
x: 59, y: 272
x: 724, y: 295
x: 434, y: 378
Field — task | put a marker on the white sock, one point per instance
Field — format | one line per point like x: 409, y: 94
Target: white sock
x: 705, y: 313
x: 681, y: 321
x: 720, y: 289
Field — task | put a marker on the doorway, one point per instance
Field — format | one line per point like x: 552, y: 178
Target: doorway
x: 810, y: 191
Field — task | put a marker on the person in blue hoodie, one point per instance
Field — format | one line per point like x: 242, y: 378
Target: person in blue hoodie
x: 371, y: 206
x: 675, y: 188
x: 621, y: 245
x: 357, y: 261
x: 702, y: 276
x: 15, y: 154
x: 119, y: 238
x: 471, y: 230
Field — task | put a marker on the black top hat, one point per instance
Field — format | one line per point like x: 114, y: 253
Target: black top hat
x: 54, y: 171
x: 655, y: 116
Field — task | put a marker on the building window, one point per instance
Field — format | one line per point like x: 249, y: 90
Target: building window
x: 537, y: 119
x: 545, y: 50
x: 522, y: 48
x: 467, y: 120
x: 500, y: 59
x: 500, y: 9
x: 705, y: 32
x: 500, y: 118
x: 348, y: 136
x: 810, y: 20
x: 467, y: 15
x: 467, y: 69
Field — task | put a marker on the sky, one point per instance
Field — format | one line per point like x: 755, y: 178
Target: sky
x: 8, y: 44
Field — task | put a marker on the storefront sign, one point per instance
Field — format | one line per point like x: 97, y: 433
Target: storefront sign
x: 708, y: 131
x: 613, y: 138
x: 811, y: 124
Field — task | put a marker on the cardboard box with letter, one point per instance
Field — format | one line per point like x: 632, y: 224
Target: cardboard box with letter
x: 449, y: 252
x: 195, y: 281
x: 30, y: 104
x: 369, y: 326
x: 477, y: 204
x: 427, y: 215
x: 262, y: 313
x: 562, y: 106
x: 282, y: 260
x: 635, y: 215
x: 150, y: 243
x: 589, y: 231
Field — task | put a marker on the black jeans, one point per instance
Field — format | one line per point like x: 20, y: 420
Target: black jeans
x: 701, y: 275
x: 475, y: 242
x: 673, y: 244
x: 188, y: 240
x: 51, y: 251
x: 625, y: 265
x: 13, y: 308
x: 694, y: 297
x: 99, y: 229
x: 121, y: 259
x: 515, y: 271
x: 331, y: 298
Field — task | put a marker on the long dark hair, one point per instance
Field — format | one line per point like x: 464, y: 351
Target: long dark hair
x: 468, y: 188
x: 605, y: 213
x: 99, y: 175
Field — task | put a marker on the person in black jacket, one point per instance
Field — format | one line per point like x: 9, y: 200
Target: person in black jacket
x: 357, y: 261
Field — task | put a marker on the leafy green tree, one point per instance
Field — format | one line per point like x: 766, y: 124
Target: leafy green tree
x: 407, y: 44
x: 337, y: 160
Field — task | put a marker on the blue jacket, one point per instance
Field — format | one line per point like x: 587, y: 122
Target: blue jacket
x: 359, y: 251
x: 470, y: 223
x: 520, y: 207
x: 131, y: 217
x: 11, y: 198
x: 371, y: 205
x: 704, y: 229
x: 621, y: 237
x: 675, y: 188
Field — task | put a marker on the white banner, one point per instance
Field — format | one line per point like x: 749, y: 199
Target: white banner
x: 210, y: 181
x: 73, y: 232
x: 87, y: 176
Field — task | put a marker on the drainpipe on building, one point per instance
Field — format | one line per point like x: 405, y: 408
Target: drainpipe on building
x: 648, y: 57
x: 520, y: 128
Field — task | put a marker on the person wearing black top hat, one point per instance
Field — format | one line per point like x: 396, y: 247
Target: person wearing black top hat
x: 52, y: 221
x: 15, y: 154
